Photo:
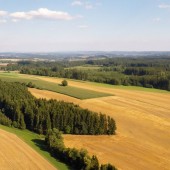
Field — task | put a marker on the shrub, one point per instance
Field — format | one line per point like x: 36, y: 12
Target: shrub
x: 64, y: 83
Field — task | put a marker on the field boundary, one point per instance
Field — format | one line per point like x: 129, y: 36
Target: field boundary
x: 34, y: 141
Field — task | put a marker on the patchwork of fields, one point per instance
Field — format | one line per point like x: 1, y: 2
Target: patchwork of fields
x: 143, y: 122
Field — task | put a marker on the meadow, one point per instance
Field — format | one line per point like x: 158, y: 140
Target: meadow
x: 85, y: 67
x: 75, y: 92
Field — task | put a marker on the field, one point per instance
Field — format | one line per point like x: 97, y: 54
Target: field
x: 16, y: 154
x: 85, y: 67
x: 39, y: 82
x: 143, y: 121
x: 34, y: 140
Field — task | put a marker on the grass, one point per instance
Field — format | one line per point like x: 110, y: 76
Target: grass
x: 86, y: 67
x: 68, y: 90
x: 129, y: 87
x: 37, y: 143
x: 72, y: 91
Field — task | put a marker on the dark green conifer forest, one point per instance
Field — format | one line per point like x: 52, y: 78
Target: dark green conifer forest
x: 20, y: 109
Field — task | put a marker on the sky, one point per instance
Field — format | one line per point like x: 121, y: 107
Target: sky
x: 84, y: 25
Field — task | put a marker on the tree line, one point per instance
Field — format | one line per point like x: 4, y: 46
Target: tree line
x: 145, y: 72
x: 78, y: 159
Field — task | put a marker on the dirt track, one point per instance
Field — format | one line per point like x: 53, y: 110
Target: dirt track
x: 143, y: 120
x: 17, y: 155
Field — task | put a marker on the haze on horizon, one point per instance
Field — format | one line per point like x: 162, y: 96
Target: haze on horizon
x: 84, y: 25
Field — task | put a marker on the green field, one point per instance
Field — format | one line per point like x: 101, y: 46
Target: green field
x: 137, y: 88
x: 71, y: 91
x: 37, y: 143
x: 86, y: 67
x: 68, y: 90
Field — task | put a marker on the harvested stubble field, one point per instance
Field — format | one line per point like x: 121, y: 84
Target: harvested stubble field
x: 143, y: 122
x: 17, y: 155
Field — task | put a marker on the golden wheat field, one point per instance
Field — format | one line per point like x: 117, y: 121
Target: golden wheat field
x: 143, y: 123
x: 17, y: 155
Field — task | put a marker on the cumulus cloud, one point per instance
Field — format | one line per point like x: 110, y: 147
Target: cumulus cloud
x: 41, y: 13
x: 164, y: 6
x: 20, y: 15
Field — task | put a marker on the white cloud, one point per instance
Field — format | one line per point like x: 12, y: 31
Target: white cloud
x: 89, y: 6
x: 83, y: 26
x: 2, y: 21
x: 41, y: 13
x: 3, y: 13
x: 20, y: 15
x: 164, y: 6
x: 85, y: 4
x: 77, y: 3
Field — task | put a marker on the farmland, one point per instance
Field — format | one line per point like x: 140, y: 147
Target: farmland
x: 86, y: 67
x: 33, y: 140
x: 85, y: 85
x: 16, y: 154
x: 142, y: 116
x: 143, y: 122
x: 39, y: 82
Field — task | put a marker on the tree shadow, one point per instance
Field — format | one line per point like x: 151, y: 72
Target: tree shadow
x: 60, y: 85
x: 41, y: 144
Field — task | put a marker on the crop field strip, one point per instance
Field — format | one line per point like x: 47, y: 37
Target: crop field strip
x: 16, y: 154
x: 85, y: 67
x: 79, y: 93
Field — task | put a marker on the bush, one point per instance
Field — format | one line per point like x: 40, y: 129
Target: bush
x: 31, y: 85
x: 107, y: 167
x: 148, y: 86
x: 5, y: 120
x: 64, y: 83
x: 15, y: 124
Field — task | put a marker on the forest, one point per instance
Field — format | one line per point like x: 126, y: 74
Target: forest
x: 145, y: 72
x: 40, y: 115
x: 19, y: 109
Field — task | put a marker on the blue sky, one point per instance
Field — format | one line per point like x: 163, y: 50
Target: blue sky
x: 84, y: 25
